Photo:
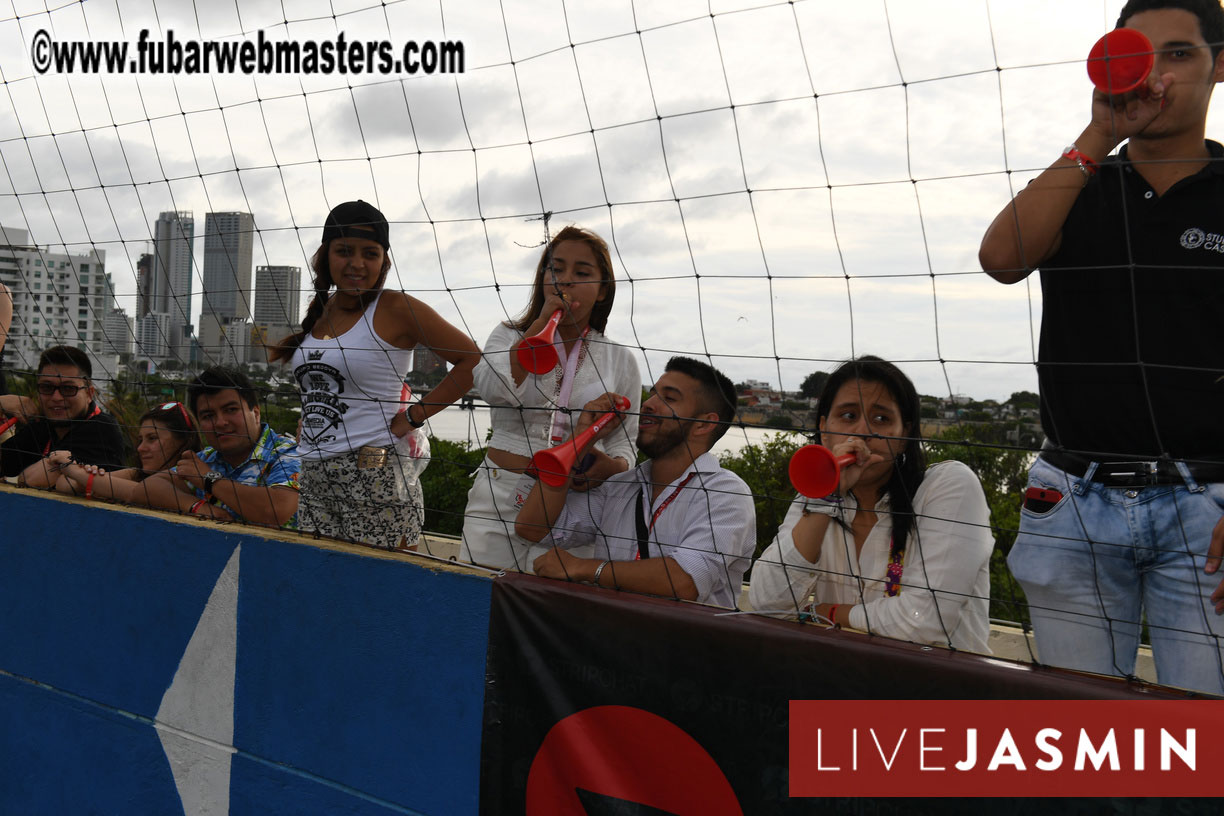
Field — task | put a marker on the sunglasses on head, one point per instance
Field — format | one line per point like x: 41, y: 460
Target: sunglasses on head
x: 67, y: 390
x: 170, y: 406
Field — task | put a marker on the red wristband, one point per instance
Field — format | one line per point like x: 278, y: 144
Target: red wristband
x: 89, y: 486
x: 197, y: 506
x: 833, y: 614
x: 1086, y: 165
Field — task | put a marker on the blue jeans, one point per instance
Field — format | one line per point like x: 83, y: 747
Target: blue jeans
x: 1103, y: 557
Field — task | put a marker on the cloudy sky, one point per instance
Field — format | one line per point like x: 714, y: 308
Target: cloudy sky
x: 783, y: 184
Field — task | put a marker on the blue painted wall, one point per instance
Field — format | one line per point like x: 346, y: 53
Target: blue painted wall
x: 358, y: 684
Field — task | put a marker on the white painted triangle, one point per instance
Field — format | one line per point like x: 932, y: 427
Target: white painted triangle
x: 195, y: 722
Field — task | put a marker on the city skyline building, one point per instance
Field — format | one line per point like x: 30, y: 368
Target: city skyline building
x: 229, y: 240
x: 61, y: 297
x: 169, y: 290
x: 118, y: 332
x: 278, y: 295
x: 58, y: 298
x: 144, y: 279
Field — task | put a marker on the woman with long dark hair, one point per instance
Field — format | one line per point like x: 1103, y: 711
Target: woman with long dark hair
x: 350, y: 360
x: 531, y: 412
x: 897, y: 549
x: 163, y: 434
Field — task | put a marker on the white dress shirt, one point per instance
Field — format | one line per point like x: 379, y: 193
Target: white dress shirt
x: 945, y: 582
x: 709, y: 527
x: 522, y: 415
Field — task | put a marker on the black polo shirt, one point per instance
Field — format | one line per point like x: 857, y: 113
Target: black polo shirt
x: 1132, y: 331
x: 93, y: 440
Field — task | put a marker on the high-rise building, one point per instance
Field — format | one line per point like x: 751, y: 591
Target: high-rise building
x: 229, y: 238
x: 277, y: 307
x: 144, y: 279
x: 58, y: 297
x: 278, y: 293
x: 224, y: 341
x: 118, y: 332
x: 170, y: 284
x: 152, y: 336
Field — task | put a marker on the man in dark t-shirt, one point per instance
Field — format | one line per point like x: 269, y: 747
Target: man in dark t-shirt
x: 64, y: 425
x: 1122, y: 522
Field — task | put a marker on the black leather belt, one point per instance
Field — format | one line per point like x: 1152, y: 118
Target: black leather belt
x: 1140, y: 473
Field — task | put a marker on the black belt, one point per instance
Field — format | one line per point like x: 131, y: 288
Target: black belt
x: 1140, y: 473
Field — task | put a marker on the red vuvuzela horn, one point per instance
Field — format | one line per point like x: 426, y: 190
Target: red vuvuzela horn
x: 815, y: 471
x: 536, y: 353
x: 1120, y: 61
x: 552, y: 466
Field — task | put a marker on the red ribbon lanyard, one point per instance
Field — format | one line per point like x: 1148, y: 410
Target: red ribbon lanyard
x: 643, y: 530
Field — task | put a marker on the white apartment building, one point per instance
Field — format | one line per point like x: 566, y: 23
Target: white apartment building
x: 58, y: 297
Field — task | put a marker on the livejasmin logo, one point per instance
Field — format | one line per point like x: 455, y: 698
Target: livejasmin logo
x: 1007, y: 753
x: 1005, y: 748
x: 1194, y: 238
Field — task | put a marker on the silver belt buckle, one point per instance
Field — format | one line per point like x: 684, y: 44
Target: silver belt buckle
x: 1128, y: 474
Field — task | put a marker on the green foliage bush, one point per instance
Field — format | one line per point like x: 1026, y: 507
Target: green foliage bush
x: 446, y: 483
x: 764, y: 468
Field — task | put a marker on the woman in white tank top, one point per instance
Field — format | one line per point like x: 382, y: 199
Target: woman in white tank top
x: 350, y: 360
x: 530, y: 412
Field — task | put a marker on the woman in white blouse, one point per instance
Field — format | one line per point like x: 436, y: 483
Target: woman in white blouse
x: 898, y: 549
x: 530, y: 412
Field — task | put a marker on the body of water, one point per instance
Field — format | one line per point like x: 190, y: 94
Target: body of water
x: 457, y: 425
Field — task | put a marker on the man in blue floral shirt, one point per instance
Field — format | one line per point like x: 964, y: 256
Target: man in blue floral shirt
x: 248, y: 472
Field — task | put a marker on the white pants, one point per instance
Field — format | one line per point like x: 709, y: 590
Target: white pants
x: 488, y: 524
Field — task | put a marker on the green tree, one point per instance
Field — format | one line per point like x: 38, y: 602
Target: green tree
x: 813, y: 384
x: 281, y: 417
x: 764, y: 468
x: 1024, y: 399
x: 446, y: 482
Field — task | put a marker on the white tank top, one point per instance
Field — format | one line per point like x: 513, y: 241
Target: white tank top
x: 352, y: 386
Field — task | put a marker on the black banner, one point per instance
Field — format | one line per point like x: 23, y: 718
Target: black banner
x: 602, y: 702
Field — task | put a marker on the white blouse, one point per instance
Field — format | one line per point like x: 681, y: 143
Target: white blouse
x: 522, y: 415
x: 945, y: 581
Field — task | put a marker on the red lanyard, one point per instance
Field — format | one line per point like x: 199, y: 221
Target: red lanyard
x: 96, y: 410
x: 643, y: 530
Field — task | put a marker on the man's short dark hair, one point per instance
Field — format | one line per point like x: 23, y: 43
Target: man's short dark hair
x: 1209, y: 13
x: 717, y: 394
x: 66, y: 356
x: 220, y: 378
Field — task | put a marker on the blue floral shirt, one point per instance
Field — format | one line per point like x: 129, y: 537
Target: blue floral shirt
x: 273, y: 463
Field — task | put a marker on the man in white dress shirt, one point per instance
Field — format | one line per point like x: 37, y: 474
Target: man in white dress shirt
x: 678, y: 525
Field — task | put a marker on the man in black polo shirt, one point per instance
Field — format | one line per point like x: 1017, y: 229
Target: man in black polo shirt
x: 1124, y: 506
x: 66, y: 424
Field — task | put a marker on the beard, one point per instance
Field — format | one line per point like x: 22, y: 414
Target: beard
x: 663, y: 442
